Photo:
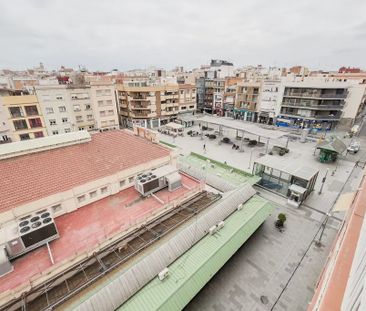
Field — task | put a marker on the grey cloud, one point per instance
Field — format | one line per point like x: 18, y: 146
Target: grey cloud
x: 139, y: 33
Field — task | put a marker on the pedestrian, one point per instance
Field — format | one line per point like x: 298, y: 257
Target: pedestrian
x: 204, y: 147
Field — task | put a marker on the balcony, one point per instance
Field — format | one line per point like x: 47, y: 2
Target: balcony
x: 311, y: 106
x: 312, y: 117
x: 314, y: 95
x: 142, y: 115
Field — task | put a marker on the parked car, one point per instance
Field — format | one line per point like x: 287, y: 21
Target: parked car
x: 354, y: 147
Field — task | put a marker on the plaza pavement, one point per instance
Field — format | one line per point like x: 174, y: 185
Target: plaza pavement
x: 274, y: 270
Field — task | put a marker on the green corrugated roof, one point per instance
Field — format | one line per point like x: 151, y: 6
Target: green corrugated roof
x: 197, y: 266
x: 227, y: 172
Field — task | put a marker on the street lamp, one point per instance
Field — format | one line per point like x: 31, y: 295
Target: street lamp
x: 324, y: 224
x: 323, y: 181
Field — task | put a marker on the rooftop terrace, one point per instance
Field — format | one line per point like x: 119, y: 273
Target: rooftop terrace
x: 85, y: 230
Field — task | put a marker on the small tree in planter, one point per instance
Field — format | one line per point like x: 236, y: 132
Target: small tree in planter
x: 281, y: 218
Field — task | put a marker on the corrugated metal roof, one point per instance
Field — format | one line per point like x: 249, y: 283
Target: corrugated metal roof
x: 242, y: 126
x: 147, y: 268
x: 195, y: 268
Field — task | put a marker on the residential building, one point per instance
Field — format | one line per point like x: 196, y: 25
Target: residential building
x: 187, y: 98
x: 218, y: 96
x: 103, y: 99
x: 314, y: 105
x: 342, y: 283
x: 246, y: 101
x: 229, y: 95
x: 24, y: 117
x: 148, y: 106
x: 57, y: 109
x: 269, y: 101
x: 223, y: 68
x: 200, y: 85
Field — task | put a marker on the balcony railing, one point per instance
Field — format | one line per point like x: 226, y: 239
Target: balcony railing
x: 315, y: 95
x: 313, y: 117
x: 313, y: 106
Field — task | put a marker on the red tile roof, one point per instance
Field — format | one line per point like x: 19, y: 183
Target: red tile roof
x: 34, y: 176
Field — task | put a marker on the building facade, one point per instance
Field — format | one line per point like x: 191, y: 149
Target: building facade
x: 187, y: 98
x: 247, y: 100
x: 104, y: 105
x: 313, y: 106
x: 24, y: 117
x: 148, y: 106
x: 269, y: 101
x: 57, y: 109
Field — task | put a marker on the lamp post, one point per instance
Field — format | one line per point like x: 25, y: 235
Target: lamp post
x: 324, y: 224
x: 323, y: 181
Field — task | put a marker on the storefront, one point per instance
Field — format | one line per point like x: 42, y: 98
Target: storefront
x: 313, y: 125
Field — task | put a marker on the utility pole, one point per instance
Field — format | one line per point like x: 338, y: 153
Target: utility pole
x: 323, y: 181
x: 324, y: 224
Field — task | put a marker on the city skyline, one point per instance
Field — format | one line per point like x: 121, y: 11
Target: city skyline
x: 107, y: 35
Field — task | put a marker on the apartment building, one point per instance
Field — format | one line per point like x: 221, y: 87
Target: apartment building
x: 104, y: 105
x: 66, y: 108
x: 200, y: 85
x: 229, y: 95
x: 148, y: 106
x: 312, y: 105
x: 5, y: 134
x: 269, y: 102
x: 24, y: 117
x: 246, y: 101
x: 57, y: 109
x: 218, y: 96
x: 187, y: 98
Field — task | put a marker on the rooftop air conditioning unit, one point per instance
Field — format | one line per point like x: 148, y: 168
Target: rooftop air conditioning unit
x: 34, y: 230
x: 220, y: 225
x: 152, y: 181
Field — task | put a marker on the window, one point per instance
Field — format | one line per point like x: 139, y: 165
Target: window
x: 64, y: 120
x: 52, y: 122
x: 102, y: 113
x: 35, y: 122
x: 79, y: 119
x: 56, y: 208
x: 181, y: 92
x: 107, y: 91
x: 81, y: 198
x: 100, y: 103
x: 110, y: 112
x: 104, y: 190
x: 99, y: 92
x: 77, y: 108
x: 31, y: 110
x: 122, y: 183
x: 63, y: 108
x: 109, y: 102
x: 16, y: 112
x: 59, y: 97
x: 93, y: 194
x: 49, y: 110
x: 20, y: 124
x: 54, y: 132
x: 67, y: 130
x: 91, y: 127
x: 111, y: 122
x: 89, y: 116
x: 24, y: 136
x: 38, y: 134
x: 130, y: 179
x: 81, y: 129
x: 87, y: 107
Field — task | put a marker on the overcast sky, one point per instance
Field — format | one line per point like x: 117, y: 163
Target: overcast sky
x: 123, y: 34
